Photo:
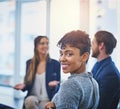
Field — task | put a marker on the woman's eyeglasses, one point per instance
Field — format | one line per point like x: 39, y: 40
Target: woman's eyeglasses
x: 43, y: 43
x: 50, y: 108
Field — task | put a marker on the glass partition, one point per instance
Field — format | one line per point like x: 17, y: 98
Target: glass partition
x: 33, y: 23
x: 20, y: 22
x: 7, y: 34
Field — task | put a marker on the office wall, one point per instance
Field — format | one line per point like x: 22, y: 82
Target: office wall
x: 65, y: 16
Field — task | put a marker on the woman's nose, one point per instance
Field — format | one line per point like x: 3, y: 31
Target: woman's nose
x: 62, y: 58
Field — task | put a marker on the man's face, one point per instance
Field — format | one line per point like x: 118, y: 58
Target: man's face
x: 95, y: 48
x: 71, y: 60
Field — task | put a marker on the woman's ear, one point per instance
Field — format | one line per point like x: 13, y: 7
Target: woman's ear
x: 85, y: 56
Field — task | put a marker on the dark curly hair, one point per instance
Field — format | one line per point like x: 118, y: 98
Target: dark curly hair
x: 108, y: 39
x: 77, y: 38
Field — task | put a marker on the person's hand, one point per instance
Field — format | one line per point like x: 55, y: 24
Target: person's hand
x: 19, y: 86
x: 54, y: 83
x: 50, y: 105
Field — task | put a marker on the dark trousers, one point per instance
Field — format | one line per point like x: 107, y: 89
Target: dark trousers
x: 3, y: 106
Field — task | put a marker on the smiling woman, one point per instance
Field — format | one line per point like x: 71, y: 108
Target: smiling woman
x: 42, y: 76
x: 80, y: 91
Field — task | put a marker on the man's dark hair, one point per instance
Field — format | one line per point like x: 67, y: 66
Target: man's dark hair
x: 108, y: 39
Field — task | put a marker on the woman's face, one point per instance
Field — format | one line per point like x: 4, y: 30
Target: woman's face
x: 42, y: 46
x: 71, y: 60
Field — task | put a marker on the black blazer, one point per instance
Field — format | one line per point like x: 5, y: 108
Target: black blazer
x: 108, y: 78
x: 52, y: 73
x: 3, y: 106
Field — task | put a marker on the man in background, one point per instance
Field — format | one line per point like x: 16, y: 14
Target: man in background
x: 105, y: 71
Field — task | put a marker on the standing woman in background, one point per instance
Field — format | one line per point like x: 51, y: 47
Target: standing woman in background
x: 42, y: 76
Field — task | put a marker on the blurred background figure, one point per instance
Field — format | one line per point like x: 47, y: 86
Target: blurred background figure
x: 105, y: 70
x: 42, y: 76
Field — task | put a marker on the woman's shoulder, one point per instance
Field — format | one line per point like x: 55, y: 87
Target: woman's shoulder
x: 28, y: 61
x: 53, y: 60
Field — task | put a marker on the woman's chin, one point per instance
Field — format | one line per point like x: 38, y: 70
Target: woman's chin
x: 66, y: 72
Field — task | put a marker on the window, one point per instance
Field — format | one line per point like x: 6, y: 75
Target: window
x: 7, y: 31
x: 20, y: 22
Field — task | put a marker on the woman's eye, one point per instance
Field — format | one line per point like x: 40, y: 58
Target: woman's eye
x: 61, y: 54
x: 69, y: 54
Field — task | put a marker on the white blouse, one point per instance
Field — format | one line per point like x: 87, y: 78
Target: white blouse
x: 39, y: 87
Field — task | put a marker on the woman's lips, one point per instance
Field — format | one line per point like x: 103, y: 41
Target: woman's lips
x: 64, y: 66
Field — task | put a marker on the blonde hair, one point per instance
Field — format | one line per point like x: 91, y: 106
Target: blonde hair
x: 34, y: 61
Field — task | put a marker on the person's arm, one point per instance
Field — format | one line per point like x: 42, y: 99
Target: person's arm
x: 68, y: 96
x: 108, y: 87
x: 58, y: 76
x: 50, y: 105
x: 19, y: 86
x: 23, y: 86
x: 55, y: 83
x: 27, y: 85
